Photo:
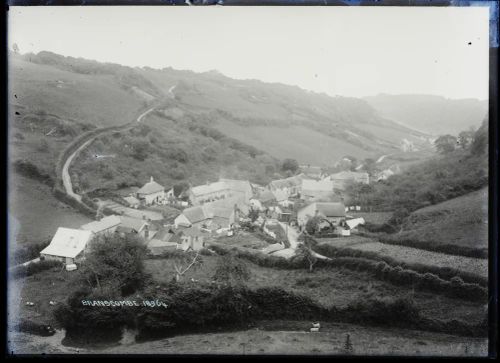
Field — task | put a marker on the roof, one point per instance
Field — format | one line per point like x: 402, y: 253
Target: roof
x: 132, y: 223
x: 67, y: 242
x: 196, y: 214
x: 222, y: 212
x: 209, y: 188
x: 193, y: 232
x: 308, y: 169
x: 102, y: 225
x: 288, y: 182
x: 220, y: 221
x: 332, y: 209
x: 280, y: 195
x: 131, y: 200
x: 353, y: 223
x: 266, y: 196
x: 159, y: 243
x: 317, y: 185
x: 350, y: 175
x: 151, y: 187
x: 167, y: 235
x: 238, y: 185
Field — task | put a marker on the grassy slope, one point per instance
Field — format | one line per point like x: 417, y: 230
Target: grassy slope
x: 461, y: 221
x: 37, y: 211
x: 97, y: 99
x: 339, y: 125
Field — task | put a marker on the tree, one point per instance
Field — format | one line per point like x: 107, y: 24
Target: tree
x: 231, y: 270
x: 465, y: 139
x: 184, y: 261
x: 369, y: 165
x: 305, y: 252
x: 15, y: 48
x: 445, y: 143
x: 479, y: 145
x: 312, y: 225
x: 253, y: 214
x: 291, y: 165
x: 115, y: 262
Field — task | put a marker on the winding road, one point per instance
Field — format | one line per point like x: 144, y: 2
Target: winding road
x: 68, y: 186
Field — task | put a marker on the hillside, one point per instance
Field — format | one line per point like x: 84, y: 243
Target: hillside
x: 287, y: 121
x: 461, y: 221
x: 433, y: 115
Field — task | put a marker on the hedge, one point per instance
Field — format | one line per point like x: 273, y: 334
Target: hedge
x: 381, y: 270
x: 200, y: 308
x: 33, y: 268
x: 434, y: 246
x: 446, y: 273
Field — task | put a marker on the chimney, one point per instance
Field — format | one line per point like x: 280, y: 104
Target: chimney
x: 151, y: 179
x: 146, y: 231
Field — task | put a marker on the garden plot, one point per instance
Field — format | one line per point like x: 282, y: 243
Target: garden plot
x: 412, y: 255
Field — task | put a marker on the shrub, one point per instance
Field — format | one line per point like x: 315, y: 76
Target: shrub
x: 33, y: 268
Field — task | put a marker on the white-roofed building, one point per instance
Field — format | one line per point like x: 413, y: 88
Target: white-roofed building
x: 222, y: 189
x: 105, y: 225
x: 67, y: 245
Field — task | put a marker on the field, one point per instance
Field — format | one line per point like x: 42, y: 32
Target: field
x: 328, y: 286
x: 412, y: 255
x: 36, y: 212
x: 461, y: 221
x: 285, y: 337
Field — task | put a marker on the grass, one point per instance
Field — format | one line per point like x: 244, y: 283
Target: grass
x: 36, y: 212
x: 328, y: 287
x: 412, y: 255
x: 98, y: 99
x: 290, y: 338
x: 461, y: 221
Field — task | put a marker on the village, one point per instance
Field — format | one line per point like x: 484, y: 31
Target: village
x: 204, y: 213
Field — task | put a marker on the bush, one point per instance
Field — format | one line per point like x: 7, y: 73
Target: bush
x: 33, y: 268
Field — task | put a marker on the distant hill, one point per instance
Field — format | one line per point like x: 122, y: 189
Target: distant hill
x: 287, y: 121
x: 430, y: 114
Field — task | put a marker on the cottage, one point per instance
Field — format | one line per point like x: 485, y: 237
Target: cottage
x: 192, y: 238
x: 165, y: 240
x: 266, y: 198
x: 342, y: 179
x: 224, y: 188
x: 333, y: 212
x: 223, y: 218
x: 317, y: 190
x: 197, y: 216
x: 290, y: 186
x: 129, y: 225
x: 68, y: 245
x: 106, y: 225
x: 151, y: 193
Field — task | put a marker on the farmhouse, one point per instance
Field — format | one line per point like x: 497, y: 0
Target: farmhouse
x: 290, y: 186
x: 223, y: 218
x: 67, y: 245
x: 105, y: 225
x: 317, y: 190
x: 342, y: 179
x: 239, y: 186
x: 266, y: 198
x: 151, y: 193
x: 334, y: 212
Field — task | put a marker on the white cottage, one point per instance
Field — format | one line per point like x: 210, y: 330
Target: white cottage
x: 151, y: 193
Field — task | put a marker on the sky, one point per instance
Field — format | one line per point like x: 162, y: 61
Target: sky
x: 346, y: 51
